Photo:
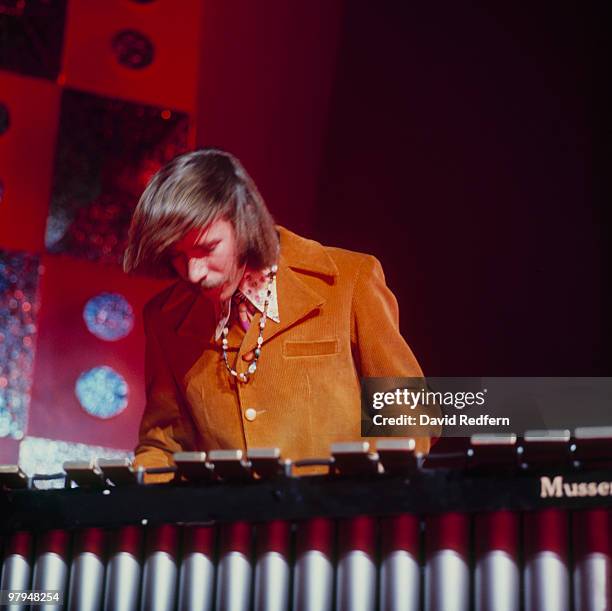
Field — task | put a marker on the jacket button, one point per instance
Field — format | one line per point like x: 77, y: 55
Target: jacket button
x: 250, y: 414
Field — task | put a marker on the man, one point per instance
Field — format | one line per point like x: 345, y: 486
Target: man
x: 263, y: 339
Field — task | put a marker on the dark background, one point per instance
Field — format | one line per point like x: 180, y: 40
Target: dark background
x: 471, y: 136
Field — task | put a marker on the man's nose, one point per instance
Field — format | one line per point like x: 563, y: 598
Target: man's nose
x: 197, y: 269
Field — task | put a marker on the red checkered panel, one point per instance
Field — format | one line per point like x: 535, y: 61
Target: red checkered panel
x: 73, y: 161
x: 93, y: 44
x: 27, y: 150
x: 66, y: 349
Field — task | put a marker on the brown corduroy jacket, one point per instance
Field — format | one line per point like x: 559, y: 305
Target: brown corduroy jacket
x: 338, y: 322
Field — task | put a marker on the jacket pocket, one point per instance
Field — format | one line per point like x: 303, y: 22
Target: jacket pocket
x: 319, y: 347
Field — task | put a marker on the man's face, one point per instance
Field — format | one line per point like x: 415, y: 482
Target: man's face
x: 208, y: 258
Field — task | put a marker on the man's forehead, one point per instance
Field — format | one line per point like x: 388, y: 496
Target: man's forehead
x: 191, y: 238
x: 201, y: 235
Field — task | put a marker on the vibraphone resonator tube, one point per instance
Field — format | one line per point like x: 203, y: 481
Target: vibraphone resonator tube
x: 123, y: 570
x: 546, y: 531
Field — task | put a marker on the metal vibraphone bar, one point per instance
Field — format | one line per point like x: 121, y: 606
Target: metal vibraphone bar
x: 504, y: 524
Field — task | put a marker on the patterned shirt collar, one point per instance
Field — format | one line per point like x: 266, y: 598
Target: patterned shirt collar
x: 253, y: 286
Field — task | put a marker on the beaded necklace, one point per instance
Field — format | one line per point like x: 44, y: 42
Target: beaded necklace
x: 252, y: 368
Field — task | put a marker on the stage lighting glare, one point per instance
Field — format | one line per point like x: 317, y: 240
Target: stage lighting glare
x: 5, y: 423
x: 109, y: 316
x: 102, y: 392
x: 18, y: 290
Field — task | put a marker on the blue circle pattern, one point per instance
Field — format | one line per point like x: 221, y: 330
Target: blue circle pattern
x: 109, y: 316
x: 102, y: 392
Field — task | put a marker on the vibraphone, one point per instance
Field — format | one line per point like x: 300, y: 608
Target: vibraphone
x: 504, y: 524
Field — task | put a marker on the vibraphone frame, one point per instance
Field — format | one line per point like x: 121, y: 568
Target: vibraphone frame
x: 426, y: 492
x: 498, y: 527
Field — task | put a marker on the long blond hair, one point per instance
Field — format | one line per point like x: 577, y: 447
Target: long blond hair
x: 192, y: 191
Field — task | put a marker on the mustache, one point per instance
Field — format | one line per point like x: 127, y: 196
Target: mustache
x: 211, y: 284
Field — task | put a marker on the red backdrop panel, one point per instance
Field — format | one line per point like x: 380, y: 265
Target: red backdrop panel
x: 66, y: 349
x: 26, y: 159
x: 173, y: 28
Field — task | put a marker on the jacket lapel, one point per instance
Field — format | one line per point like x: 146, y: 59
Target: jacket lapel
x: 198, y: 318
x: 296, y: 300
x: 199, y: 321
